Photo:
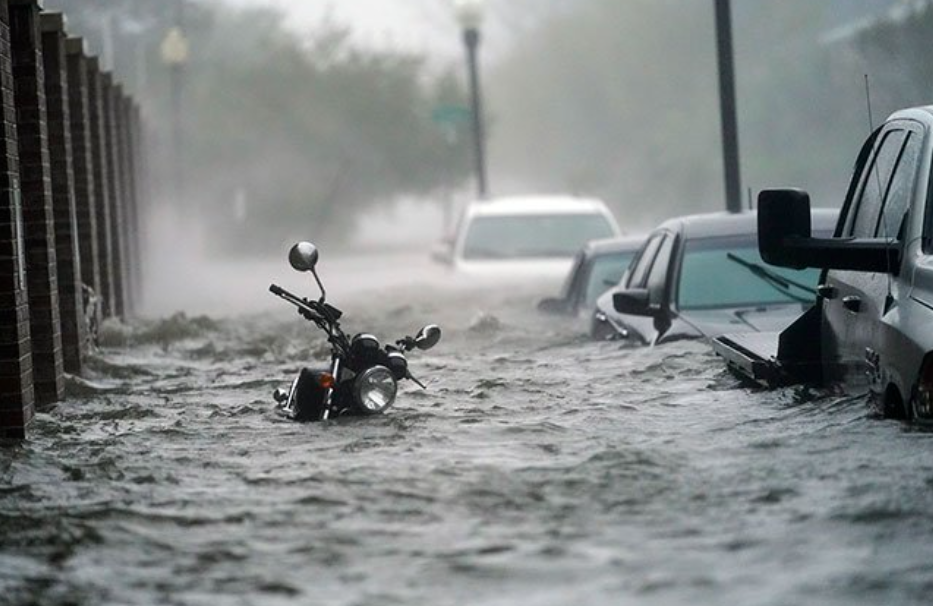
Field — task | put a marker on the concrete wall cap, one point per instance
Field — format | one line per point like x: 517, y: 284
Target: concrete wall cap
x: 75, y: 46
x: 53, y: 22
x: 40, y: 4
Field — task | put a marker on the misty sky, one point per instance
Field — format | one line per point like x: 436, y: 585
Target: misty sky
x: 425, y: 26
x: 422, y: 25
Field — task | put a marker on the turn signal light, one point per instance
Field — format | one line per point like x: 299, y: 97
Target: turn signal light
x: 326, y: 380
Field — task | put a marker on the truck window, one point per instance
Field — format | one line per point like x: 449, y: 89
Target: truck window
x: 863, y: 221
x: 897, y: 203
x: 657, y: 277
x: 643, y: 264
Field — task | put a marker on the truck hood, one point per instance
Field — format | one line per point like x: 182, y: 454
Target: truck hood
x: 715, y: 322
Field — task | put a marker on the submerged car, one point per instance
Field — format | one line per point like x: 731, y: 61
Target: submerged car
x: 532, y: 237
x: 597, y: 267
x: 701, y: 276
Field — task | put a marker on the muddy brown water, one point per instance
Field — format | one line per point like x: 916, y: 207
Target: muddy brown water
x: 537, y: 468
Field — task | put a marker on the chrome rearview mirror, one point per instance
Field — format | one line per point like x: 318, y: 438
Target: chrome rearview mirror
x: 428, y: 337
x: 303, y: 256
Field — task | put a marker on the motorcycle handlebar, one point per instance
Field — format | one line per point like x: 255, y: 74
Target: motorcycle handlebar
x: 294, y: 300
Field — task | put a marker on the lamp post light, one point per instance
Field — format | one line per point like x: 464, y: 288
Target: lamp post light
x: 470, y: 15
x: 175, y: 56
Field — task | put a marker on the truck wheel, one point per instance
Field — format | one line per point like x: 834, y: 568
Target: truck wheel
x: 893, y: 406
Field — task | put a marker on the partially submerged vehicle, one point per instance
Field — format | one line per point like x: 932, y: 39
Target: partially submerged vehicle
x: 597, y: 267
x: 529, y: 237
x: 700, y: 276
x: 872, y: 326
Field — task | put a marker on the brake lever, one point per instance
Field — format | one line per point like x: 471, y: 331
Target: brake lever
x: 417, y: 382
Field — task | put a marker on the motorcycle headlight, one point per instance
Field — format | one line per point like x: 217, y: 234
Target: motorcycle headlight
x: 375, y: 389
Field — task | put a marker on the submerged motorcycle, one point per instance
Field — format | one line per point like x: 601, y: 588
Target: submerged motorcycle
x: 362, y: 378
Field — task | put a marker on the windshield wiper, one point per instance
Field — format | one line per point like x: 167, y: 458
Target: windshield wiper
x: 774, y: 279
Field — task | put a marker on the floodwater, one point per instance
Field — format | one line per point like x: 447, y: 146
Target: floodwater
x: 537, y: 468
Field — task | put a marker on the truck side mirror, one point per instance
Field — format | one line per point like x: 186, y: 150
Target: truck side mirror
x: 784, y: 239
x: 783, y: 214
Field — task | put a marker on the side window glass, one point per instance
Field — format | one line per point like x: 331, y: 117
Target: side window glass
x: 657, y: 279
x: 897, y: 203
x: 875, y: 181
x: 640, y: 270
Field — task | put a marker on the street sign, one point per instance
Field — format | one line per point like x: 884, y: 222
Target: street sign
x: 451, y: 114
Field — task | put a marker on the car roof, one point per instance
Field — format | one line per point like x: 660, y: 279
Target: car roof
x: 536, y: 205
x: 609, y: 246
x: 725, y: 224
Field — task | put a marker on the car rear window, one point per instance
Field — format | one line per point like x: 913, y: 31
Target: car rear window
x: 709, y: 279
x: 532, y: 236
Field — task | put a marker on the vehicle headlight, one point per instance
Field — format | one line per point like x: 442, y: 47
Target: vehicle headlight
x: 375, y: 389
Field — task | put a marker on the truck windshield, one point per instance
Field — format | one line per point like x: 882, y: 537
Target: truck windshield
x: 532, y: 236
x: 710, y: 279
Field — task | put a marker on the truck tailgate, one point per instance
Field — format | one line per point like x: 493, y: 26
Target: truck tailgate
x: 753, y: 356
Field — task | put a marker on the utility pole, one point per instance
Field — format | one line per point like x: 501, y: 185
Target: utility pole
x: 727, y: 104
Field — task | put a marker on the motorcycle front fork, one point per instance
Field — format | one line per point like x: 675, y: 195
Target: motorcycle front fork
x: 329, y: 394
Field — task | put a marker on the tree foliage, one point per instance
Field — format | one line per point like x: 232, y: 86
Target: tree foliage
x: 286, y: 136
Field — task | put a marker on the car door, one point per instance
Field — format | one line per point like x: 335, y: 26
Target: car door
x: 658, y: 283
x: 641, y: 327
x: 855, y: 302
x: 651, y: 273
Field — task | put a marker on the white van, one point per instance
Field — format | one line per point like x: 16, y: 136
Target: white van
x: 529, y: 237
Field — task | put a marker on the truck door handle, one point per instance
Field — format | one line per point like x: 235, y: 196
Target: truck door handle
x: 852, y: 303
x: 826, y: 291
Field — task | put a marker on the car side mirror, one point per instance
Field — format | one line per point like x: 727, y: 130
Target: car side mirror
x: 552, y: 305
x: 784, y: 239
x: 633, y: 302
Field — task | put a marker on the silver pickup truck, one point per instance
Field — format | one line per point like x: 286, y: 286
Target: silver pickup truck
x: 872, y: 325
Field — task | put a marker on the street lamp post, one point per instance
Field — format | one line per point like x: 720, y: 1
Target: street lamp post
x: 175, y: 56
x: 470, y: 16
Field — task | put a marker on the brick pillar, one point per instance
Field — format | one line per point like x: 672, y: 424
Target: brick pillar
x: 17, y: 398
x: 82, y: 156
x: 101, y: 173
x: 63, y: 199
x: 140, y: 196
x: 110, y: 93
x: 38, y: 217
x: 131, y: 232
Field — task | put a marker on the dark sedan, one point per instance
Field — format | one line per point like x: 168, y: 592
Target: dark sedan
x: 597, y: 267
x: 702, y: 276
